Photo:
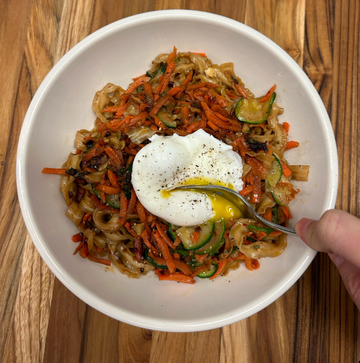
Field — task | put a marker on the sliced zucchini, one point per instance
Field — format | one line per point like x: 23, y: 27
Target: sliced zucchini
x: 251, y: 111
x: 164, y: 267
x: 281, y: 195
x: 113, y: 200
x: 275, y: 173
x: 205, y: 230
x: 213, y: 245
x: 96, y: 192
x: 210, y: 272
x: 167, y: 118
x: 172, y: 231
x: 181, y: 252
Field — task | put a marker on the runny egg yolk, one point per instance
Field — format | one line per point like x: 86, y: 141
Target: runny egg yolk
x: 222, y: 207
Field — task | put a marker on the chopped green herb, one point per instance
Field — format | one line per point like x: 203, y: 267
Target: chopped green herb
x: 253, y: 228
x: 140, y: 88
x: 121, y: 171
x: 127, y: 181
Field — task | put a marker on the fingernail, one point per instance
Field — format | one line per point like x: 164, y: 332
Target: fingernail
x: 336, y: 259
x: 302, y: 225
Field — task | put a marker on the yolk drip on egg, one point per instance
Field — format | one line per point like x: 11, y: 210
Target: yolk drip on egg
x: 222, y: 207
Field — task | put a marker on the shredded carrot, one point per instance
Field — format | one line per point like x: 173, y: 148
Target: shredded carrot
x: 200, y: 85
x: 267, y: 214
x: 274, y: 233
x: 291, y: 145
x: 268, y: 95
x: 159, y: 103
x: 102, y: 127
x: 176, y: 256
x: 247, y: 190
x: 146, y: 239
x: 114, y: 157
x: 177, y: 241
x: 142, y: 215
x: 187, y: 80
x: 165, y: 251
x: 185, y: 115
x: 286, y: 126
x: 195, y: 236
x: 202, y: 54
x: 285, y: 169
x: 137, y: 83
x: 183, y: 267
x: 84, y: 251
x: 54, y: 171
x: 179, y: 277
x: 160, y: 261
x: 154, y: 127
x: 193, y: 127
x: 102, y: 206
x: 159, y: 123
x: 106, y: 189
x: 169, y: 70
x: 164, y: 236
x: 78, y: 152
x: 173, y: 91
x: 132, y: 202
x: 103, y: 261
x: 113, y: 179
x: 78, y: 248
x: 255, y: 264
x: 201, y: 258
x: 240, y: 90
x: 221, y: 265
x: 214, y: 127
x: 231, y: 95
x: 286, y: 212
x: 221, y: 100
x: 87, y: 217
x: 77, y: 237
x: 248, y: 263
x: 119, y: 110
x: 123, y: 208
x: 99, y: 249
x: 135, y: 78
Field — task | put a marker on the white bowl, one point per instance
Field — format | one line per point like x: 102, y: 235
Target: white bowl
x: 63, y: 104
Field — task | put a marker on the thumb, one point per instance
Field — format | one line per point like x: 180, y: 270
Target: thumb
x: 337, y: 232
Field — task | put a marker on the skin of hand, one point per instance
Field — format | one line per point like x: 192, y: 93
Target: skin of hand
x: 338, y: 234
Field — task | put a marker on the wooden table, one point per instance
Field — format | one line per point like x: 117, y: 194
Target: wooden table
x: 41, y: 321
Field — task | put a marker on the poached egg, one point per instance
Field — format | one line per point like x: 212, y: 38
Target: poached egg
x: 172, y: 161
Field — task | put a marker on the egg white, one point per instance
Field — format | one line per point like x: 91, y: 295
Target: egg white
x: 171, y: 161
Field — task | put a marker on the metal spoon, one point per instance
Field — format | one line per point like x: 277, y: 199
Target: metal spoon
x: 240, y: 202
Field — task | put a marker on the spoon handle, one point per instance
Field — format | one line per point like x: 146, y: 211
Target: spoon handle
x: 276, y: 226
x: 226, y: 192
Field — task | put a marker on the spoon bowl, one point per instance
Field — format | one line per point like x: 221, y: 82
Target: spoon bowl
x: 240, y: 202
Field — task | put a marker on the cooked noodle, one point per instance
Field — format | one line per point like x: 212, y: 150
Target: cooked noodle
x: 115, y: 228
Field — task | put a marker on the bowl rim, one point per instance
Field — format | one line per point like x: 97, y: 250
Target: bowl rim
x: 83, y: 293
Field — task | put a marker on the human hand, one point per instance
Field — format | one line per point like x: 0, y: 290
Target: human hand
x: 338, y: 234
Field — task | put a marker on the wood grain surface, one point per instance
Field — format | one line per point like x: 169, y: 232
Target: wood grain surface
x: 42, y: 321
